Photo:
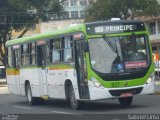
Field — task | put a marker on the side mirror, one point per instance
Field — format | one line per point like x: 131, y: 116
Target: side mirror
x: 85, y: 46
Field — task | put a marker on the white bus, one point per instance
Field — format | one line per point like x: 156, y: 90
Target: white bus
x: 90, y: 61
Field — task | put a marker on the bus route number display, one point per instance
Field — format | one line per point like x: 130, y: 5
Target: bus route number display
x: 112, y: 29
x: 119, y: 28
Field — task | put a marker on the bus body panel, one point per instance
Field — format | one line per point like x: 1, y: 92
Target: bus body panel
x: 11, y: 83
x: 13, y: 80
x: 33, y: 75
x: 55, y: 82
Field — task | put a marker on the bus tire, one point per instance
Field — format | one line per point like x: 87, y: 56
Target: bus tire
x: 74, y: 103
x: 125, y: 101
x: 30, y: 99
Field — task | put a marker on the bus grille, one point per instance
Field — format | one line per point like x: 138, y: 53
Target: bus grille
x: 134, y: 91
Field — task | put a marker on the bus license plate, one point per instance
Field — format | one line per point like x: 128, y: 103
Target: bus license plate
x: 129, y: 94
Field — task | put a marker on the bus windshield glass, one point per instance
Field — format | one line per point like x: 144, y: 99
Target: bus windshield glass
x: 119, y: 54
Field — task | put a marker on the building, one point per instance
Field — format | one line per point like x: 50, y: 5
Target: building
x: 74, y: 13
x: 57, y: 24
x: 32, y: 31
x: 73, y: 9
x: 153, y: 25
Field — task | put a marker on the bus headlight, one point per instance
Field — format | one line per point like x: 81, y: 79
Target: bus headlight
x: 96, y: 82
x: 151, y: 78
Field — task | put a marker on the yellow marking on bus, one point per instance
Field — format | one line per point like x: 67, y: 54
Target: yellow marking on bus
x: 58, y: 68
x: 45, y: 97
x: 12, y: 72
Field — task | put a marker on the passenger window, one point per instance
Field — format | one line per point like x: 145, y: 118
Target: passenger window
x: 61, y: 49
x: 10, y: 57
x: 33, y: 53
x: 56, y: 50
x: 68, y: 50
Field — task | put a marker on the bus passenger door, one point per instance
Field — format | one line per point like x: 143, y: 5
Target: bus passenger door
x: 41, y: 59
x: 16, y: 55
x: 81, y: 69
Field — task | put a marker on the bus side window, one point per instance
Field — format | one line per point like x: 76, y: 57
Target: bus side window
x: 48, y: 52
x: 25, y: 54
x: 10, y: 57
x: 67, y: 49
x: 55, y: 50
x: 51, y: 49
x: 41, y: 55
x: 22, y: 57
x: 33, y: 53
x: 61, y: 49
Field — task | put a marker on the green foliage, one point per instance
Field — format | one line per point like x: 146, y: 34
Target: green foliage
x: 124, y: 9
x: 21, y: 15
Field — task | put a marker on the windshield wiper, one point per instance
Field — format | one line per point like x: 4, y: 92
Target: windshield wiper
x: 111, y: 45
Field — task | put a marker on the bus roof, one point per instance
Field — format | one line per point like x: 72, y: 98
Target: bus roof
x: 113, y: 22
x: 69, y: 29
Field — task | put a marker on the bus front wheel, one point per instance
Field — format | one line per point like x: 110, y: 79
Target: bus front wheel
x: 74, y: 103
x: 125, y: 101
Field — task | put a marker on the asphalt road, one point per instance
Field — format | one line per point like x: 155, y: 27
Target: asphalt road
x: 15, y: 104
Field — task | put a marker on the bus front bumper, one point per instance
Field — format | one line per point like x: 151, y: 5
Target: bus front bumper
x: 98, y: 93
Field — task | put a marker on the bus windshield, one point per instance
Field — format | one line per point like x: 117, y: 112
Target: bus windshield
x: 119, y: 54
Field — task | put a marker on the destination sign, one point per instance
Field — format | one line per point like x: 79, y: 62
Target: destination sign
x: 117, y: 28
x: 101, y: 29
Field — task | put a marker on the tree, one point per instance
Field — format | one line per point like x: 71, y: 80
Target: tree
x: 21, y: 15
x: 124, y: 9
